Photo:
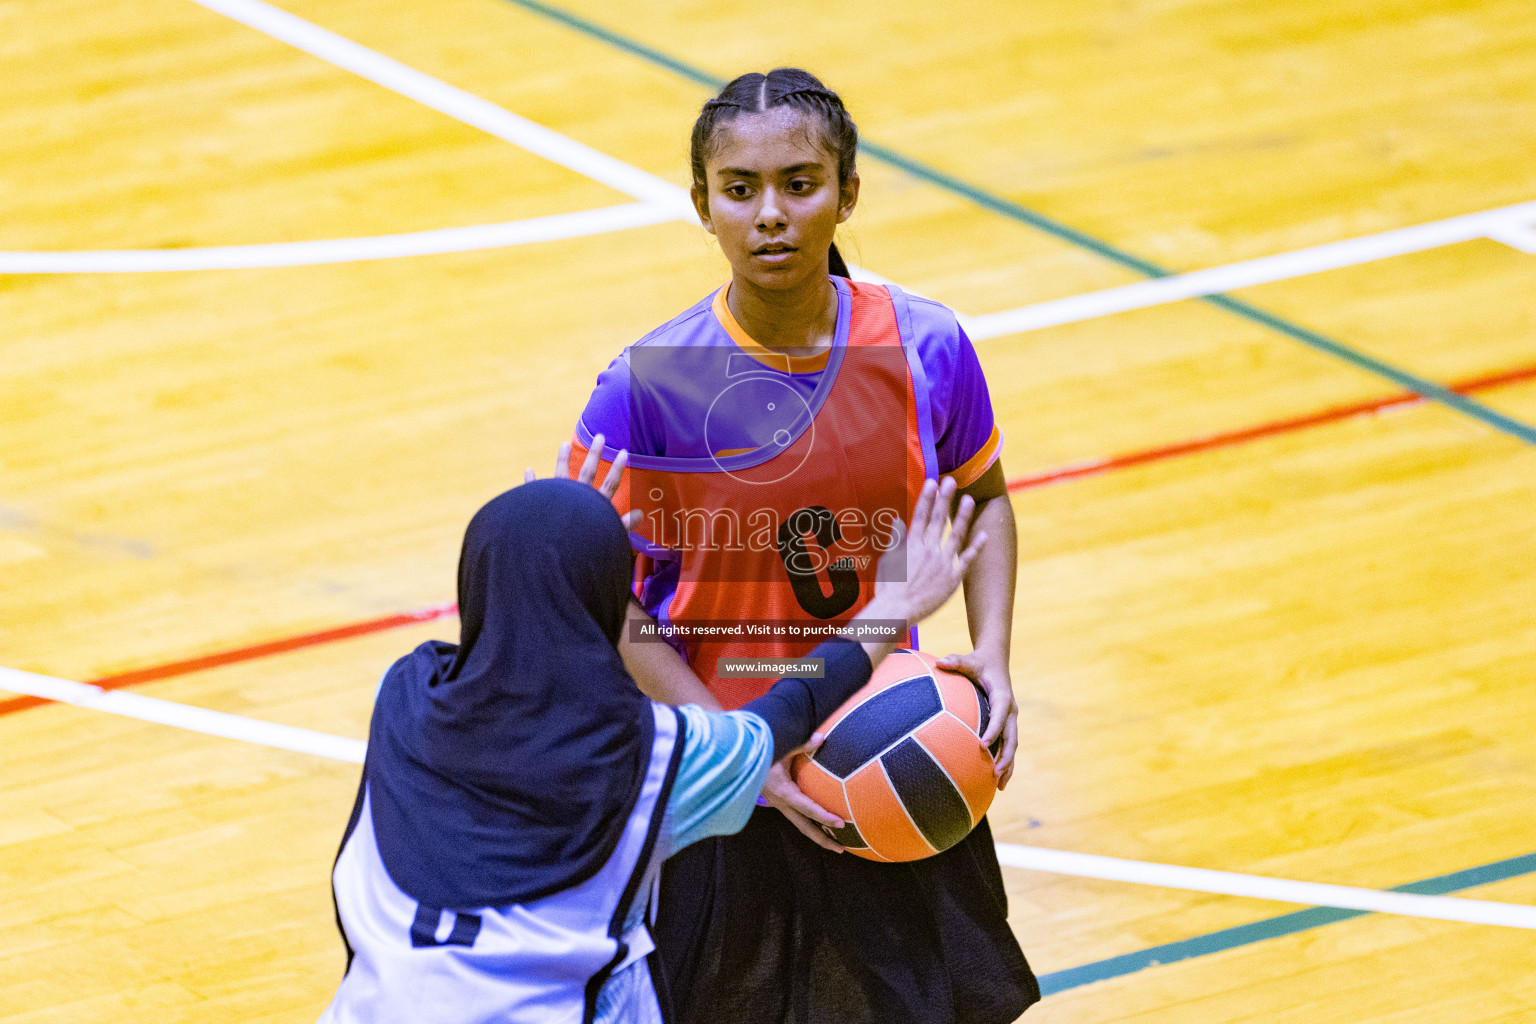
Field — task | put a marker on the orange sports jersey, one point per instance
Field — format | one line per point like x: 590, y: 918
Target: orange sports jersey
x: 769, y: 486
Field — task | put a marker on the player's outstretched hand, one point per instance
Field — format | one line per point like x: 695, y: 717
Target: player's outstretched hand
x: 588, y: 473
x: 935, y: 559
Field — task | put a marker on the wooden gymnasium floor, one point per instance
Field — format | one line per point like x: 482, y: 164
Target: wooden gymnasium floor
x: 1276, y: 617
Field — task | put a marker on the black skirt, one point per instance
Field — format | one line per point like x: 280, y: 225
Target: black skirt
x: 766, y: 927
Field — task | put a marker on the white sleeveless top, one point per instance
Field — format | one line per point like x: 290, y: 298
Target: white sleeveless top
x: 543, y: 962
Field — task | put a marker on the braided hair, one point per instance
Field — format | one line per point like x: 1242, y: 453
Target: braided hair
x: 755, y: 93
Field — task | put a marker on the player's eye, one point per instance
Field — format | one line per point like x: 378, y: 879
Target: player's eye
x: 802, y: 186
x: 737, y: 190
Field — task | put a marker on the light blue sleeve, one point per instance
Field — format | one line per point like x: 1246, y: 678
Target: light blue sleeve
x: 725, y: 762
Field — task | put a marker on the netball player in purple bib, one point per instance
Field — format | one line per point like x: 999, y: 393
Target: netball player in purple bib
x: 791, y: 410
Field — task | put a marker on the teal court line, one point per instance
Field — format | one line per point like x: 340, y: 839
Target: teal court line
x: 1272, y: 928
x: 990, y: 201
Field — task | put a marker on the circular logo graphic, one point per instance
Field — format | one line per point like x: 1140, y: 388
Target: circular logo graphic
x: 755, y: 413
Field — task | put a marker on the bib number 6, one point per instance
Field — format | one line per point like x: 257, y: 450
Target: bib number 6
x: 805, y: 566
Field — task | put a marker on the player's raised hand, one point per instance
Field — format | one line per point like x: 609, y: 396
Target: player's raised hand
x: 588, y: 473
x: 935, y: 560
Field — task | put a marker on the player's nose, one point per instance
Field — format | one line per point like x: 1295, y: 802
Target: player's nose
x: 770, y: 214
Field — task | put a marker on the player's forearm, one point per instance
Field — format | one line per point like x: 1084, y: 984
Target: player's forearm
x: 885, y: 608
x: 794, y: 706
x: 659, y: 671
x: 989, y: 584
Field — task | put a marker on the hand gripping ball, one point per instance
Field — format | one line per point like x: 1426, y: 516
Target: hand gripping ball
x: 902, y: 762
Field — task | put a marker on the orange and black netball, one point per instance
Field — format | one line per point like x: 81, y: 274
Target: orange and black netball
x: 902, y: 763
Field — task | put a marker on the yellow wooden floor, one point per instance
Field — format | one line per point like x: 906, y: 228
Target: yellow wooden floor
x: 1308, y: 656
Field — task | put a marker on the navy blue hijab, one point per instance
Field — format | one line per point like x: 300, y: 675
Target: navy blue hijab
x: 504, y: 768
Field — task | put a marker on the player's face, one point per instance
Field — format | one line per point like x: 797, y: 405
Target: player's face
x: 774, y: 200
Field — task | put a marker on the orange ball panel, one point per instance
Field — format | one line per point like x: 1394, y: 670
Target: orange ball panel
x: 881, y: 819
x: 903, y: 663
x: 960, y: 697
x: 959, y: 752
x: 869, y: 854
x: 820, y: 785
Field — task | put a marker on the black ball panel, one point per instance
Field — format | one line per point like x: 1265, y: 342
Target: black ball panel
x: 880, y: 721
x: 847, y: 836
x: 936, y: 807
x: 985, y: 705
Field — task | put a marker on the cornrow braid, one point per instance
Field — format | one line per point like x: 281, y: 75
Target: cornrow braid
x: 830, y: 97
x: 782, y: 87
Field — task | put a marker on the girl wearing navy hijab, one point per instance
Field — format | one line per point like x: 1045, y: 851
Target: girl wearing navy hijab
x: 520, y: 793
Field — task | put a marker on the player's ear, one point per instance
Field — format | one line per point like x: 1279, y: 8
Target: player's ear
x: 701, y: 207
x: 848, y: 197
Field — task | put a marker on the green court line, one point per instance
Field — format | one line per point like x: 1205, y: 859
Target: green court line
x: 1272, y: 928
x: 624, y: 43
x: 990, y: 201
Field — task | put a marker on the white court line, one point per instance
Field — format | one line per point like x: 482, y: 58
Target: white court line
x: 1503, y: 224
x: 1061, y: 862
x: 340, y: 250
x: 660, y: 200
x: 183, y: 716
x: 1517, y: 235
x: 455, y: 102
x: 1508, y: 224
x: 1228, y: 883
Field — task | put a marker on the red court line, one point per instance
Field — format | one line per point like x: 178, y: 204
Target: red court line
x: 1203, y: 444
x: 1236, y: 437
x: 239, y: 654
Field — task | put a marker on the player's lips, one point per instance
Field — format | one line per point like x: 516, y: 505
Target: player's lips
x: 775, y: 252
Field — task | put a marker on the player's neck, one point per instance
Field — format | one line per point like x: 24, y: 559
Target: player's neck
x: 798, y: 321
